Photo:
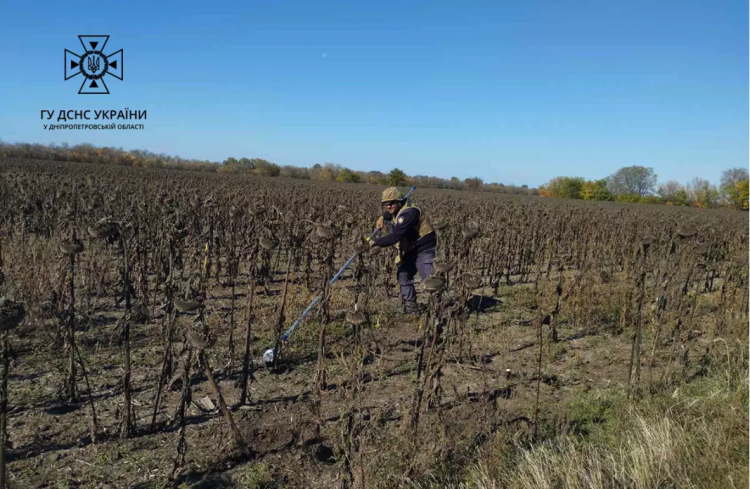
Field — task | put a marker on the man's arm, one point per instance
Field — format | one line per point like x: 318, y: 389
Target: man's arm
x: 410, y: 218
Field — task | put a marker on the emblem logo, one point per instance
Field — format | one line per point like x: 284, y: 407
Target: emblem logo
x: 400, y: 220
x: 93, y: 64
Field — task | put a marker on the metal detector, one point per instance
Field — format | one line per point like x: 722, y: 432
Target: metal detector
x: 269, y: 356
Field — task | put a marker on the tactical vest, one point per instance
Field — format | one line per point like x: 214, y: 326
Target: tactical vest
x: 425, y: 228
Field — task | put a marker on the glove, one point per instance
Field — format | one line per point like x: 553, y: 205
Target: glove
x: 381, y: 223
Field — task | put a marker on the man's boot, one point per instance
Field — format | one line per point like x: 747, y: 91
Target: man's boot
x: 410, y: 307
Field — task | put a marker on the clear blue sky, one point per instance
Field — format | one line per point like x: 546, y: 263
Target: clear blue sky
x: 513, y: 92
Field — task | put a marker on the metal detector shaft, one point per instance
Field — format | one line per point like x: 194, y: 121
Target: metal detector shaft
x: 296, y: 323
x: 333, y: 280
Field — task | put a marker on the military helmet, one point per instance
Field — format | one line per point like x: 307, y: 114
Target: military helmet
x: 390, y: 194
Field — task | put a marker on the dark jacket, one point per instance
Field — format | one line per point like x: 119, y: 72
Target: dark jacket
x: 407, y: 227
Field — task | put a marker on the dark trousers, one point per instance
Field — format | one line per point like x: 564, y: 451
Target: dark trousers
x: 410, y: 264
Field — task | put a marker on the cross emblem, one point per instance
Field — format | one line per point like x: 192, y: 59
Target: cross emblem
x: 93, y: 64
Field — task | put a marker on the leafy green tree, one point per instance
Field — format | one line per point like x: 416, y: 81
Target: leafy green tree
x: 669, y: 190
x: 295, y: 172
x: 572, y: 186
x: 564, y: 187
x: 680, y: 197
x: 703, y: 194
x: 637, y: 180
x: 731, y: 187
x: 346, y: 175
x: 596, y: 190
x: 397, y: 178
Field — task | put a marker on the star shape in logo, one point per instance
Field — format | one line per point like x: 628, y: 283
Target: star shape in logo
x: 93, y: 64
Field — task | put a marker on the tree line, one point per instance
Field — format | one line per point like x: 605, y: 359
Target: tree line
x: 88, y: 153
x: 396, y: 177
x: 639, y: 184
x: 635, y: 184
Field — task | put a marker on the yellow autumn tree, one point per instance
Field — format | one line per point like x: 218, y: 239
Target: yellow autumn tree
x: 743, y: 194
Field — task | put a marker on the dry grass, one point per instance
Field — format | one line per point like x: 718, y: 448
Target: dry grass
x: 692, y: 436
x: 651, y: 455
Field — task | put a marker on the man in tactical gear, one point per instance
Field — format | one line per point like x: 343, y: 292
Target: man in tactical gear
x: 411, y: 232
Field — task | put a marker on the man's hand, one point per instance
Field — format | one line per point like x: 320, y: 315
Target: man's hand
x: 380, y: 223
x: 372, y: 243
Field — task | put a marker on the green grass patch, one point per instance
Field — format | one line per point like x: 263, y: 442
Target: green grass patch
x: 692, y: 435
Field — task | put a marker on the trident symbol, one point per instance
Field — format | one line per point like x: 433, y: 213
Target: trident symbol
x: 93, y: 65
